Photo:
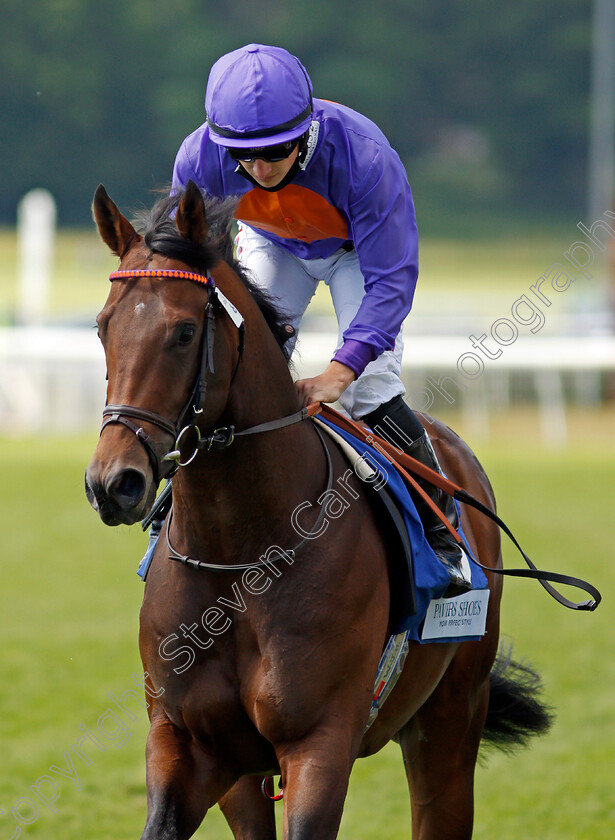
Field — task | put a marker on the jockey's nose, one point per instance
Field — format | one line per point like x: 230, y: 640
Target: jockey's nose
x: 262, y: 169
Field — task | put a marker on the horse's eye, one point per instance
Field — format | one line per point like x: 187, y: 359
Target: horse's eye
x: 186, y: 334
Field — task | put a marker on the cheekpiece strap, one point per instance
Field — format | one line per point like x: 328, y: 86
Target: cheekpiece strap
x: 167, y: 273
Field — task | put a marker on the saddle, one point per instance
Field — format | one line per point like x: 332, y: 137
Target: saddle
x: 406, y: 467
x: 420, y: 613
x: 417, y: 577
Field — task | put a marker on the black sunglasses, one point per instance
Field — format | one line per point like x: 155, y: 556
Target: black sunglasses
x: 272, y: 154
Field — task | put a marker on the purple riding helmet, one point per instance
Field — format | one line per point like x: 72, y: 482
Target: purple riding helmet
x: 257, y: 96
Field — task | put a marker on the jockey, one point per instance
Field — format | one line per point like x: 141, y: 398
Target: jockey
x: 322, y: 196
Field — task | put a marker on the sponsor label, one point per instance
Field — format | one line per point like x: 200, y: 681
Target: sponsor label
x: 464, y: 615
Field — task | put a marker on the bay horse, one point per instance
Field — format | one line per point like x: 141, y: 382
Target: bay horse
x: 261, y: 662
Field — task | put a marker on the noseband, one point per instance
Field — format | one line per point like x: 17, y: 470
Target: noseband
x: 166, y: 466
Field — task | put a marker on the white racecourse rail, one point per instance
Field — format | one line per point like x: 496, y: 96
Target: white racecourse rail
x: 52, y: 379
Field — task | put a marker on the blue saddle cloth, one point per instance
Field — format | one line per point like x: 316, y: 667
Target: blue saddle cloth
x: 430, y: 577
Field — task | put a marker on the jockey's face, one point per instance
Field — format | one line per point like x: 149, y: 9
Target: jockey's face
x: 269, y: 173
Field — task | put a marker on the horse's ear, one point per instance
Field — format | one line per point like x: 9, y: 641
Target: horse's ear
x: 115, y: 230
x: 190, y: 219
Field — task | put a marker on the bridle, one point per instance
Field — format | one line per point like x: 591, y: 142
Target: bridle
x: 186, y: 426
x: 162, y: 465
x: 167, y: 465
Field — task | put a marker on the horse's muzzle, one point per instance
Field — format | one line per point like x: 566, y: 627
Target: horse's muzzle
x: 120, y: 498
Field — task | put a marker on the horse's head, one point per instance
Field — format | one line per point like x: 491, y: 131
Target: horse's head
x: 165, y: 371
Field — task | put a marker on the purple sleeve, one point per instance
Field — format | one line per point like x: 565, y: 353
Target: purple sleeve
x: 355, y: 354
x: 385, y: 236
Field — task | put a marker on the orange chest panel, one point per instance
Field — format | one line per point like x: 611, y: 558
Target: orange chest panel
x: 292, y: 213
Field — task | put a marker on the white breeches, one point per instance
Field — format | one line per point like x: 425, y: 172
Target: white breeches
x: 292, y: 282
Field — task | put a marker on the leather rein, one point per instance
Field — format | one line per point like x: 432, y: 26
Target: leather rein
x: 409, y: 467
x: 166, y: 466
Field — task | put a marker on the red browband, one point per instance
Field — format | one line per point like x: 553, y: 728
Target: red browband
x: 169, y: 273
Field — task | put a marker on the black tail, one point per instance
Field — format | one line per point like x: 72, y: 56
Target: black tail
x: 516, y: 712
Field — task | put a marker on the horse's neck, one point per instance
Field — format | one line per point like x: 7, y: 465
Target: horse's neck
x: 263, y: 388
x: 231, y: 505
x: 228, y: 498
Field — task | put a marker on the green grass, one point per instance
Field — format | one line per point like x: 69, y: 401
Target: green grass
x: 70, y: 601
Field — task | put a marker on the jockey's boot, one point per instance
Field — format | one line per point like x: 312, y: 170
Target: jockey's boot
x: 398, y: 424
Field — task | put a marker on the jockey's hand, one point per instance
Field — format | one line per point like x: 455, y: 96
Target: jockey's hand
x: 327, y: 386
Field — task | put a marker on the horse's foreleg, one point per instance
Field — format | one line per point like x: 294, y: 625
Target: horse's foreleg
x: 249, y: 814
x: 183, y: 782
x: 440, y: 746
x: 315, y: 775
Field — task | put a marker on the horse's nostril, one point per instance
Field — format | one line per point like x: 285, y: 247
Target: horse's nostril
x: 127, y: 488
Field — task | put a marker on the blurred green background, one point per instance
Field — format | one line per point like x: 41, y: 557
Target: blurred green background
x: 486, y: 105
x: 489, y: 108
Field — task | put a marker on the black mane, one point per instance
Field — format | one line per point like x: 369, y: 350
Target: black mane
x: 162, y: 237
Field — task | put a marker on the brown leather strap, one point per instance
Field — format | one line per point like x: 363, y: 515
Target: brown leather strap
x: 303, y: 414
x: 543, y: 577
x: 404, y: 464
